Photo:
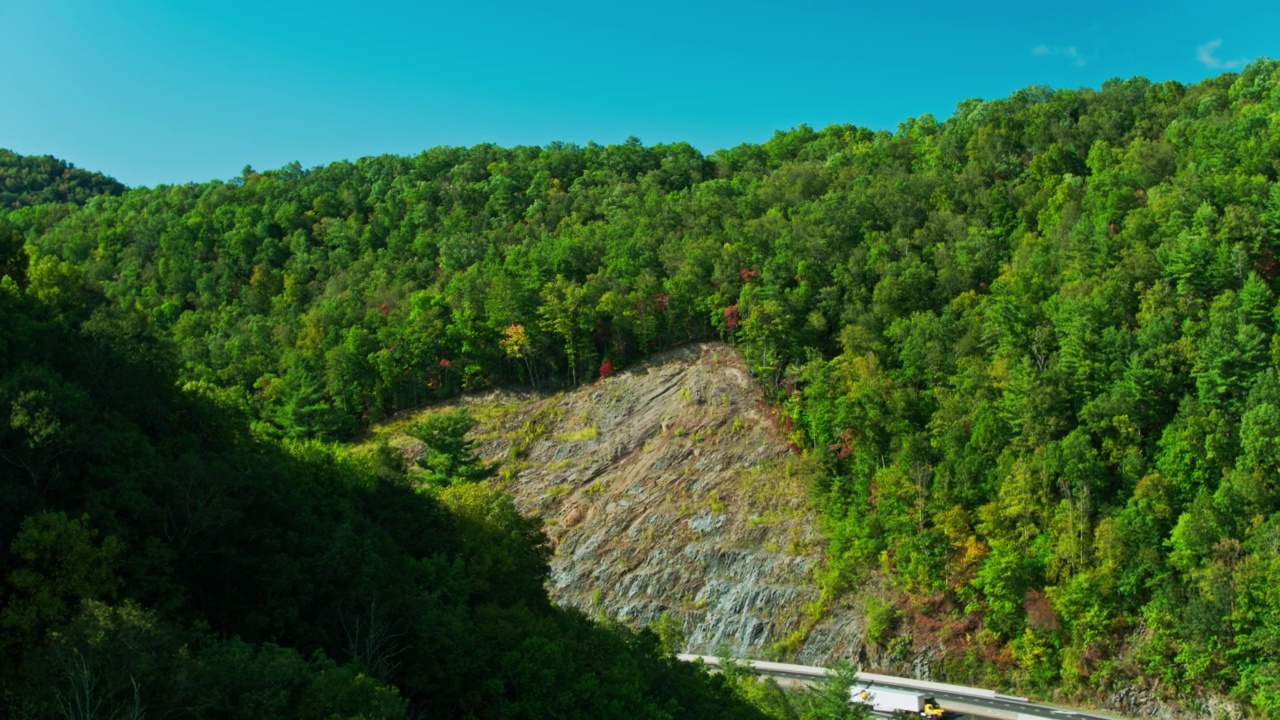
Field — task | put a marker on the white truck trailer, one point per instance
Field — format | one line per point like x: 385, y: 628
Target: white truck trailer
x: 896, y: 702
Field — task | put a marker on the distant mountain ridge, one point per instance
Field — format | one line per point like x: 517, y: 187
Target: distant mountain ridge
x: 27, y: 180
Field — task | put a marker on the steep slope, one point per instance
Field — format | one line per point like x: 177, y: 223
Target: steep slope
x: 666, y: 489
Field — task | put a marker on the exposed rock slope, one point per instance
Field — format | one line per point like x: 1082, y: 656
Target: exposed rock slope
x: 668, y: 489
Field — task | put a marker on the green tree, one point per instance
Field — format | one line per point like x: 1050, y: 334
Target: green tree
x: 448, y: 455
x: 60, y: 567
x: 560, y: 315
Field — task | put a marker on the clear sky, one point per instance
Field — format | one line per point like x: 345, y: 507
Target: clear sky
x: 171, y: 91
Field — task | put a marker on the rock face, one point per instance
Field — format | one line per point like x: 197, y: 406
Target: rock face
x: 668, y: 489
x: 665, y: 489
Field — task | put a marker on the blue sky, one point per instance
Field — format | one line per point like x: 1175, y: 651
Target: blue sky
x: 153, y: 91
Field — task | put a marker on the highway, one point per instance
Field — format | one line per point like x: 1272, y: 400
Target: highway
x: 975, y: 702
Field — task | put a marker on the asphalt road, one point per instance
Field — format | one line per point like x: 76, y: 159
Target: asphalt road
x: 965, y: 701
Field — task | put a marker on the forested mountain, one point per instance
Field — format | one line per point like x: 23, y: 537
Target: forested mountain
x: 1034, y: 345
x: 162, y: 561
x: 26, y: 180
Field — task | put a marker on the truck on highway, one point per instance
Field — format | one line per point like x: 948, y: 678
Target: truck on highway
x: 896, y: 702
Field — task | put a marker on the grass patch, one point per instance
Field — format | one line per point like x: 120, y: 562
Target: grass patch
x: 713, y: 501
x: 590, y: 432
x: 491, y: 414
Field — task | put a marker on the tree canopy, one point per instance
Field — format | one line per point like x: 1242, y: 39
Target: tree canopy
x: 27, y: 180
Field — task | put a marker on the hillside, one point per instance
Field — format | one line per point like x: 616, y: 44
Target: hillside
x: 1028, y: 353
x: 668, y: 489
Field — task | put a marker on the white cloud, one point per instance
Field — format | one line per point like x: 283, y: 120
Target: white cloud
x: 1068, y: 52
x: 1205, y: 54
